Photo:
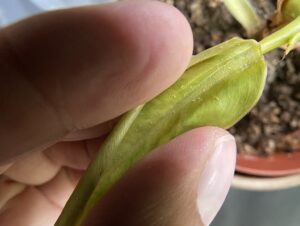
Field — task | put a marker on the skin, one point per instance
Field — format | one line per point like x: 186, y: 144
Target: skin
x: 65, y: 78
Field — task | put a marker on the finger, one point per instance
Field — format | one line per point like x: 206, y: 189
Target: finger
x: 3, y: 168
x: 41, y: 167
x: 76, y: 154
x: 33, y: 169
x: 93, y: 132
x: 181, y: 183
x: 163, y: 186
x: 30, y: 207
x: 73, y: 69
x: 8, y: 190
x: 38, y: 206
x: 60, y: 188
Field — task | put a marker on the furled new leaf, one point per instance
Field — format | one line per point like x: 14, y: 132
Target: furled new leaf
x: 219, y: 87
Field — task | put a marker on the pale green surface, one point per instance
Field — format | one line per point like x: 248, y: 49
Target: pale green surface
x: 221, y: 85
x: 245, y: 14
x: 290, y: 9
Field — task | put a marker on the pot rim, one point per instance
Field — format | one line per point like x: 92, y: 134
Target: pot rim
x: 277, y: 164
x: 251, y: 183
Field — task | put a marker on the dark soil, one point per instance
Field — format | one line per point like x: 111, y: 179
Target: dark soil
x: 273, y: 124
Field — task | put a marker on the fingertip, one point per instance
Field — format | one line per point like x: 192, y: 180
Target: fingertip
x: 154, y: 45
x: 190, y: 151
x: 171, y: 183
x: 76, y: 68
x: 136, y: 48
x: 163, y: 40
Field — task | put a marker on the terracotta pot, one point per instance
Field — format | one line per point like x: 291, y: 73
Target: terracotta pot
x: 251, y: 183
x: 278, y: 164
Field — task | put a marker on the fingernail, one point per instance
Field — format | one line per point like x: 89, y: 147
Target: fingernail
x: 216, y: 178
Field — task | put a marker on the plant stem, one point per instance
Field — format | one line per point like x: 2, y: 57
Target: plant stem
x: 244, y: 13
x: 281, y: 37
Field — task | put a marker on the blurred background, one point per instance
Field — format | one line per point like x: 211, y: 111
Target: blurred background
x: 254, y: 200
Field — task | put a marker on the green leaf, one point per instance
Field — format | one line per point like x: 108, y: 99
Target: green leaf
x: 245, y: 14
x: 290, y: 9
x: 220, y: 86
x: 286, y: 11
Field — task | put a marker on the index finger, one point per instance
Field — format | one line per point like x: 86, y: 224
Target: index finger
x: 72, y: 69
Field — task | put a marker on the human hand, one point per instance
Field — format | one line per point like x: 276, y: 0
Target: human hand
x: 65, y: 77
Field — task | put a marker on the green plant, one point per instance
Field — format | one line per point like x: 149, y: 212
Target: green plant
x: 245, y: 14
x: 290, y: 9
x: 218, y: 88
x: 286, y: 11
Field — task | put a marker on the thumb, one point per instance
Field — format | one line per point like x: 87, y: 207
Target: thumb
x: 73, y: 69
x: 184, y: 182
